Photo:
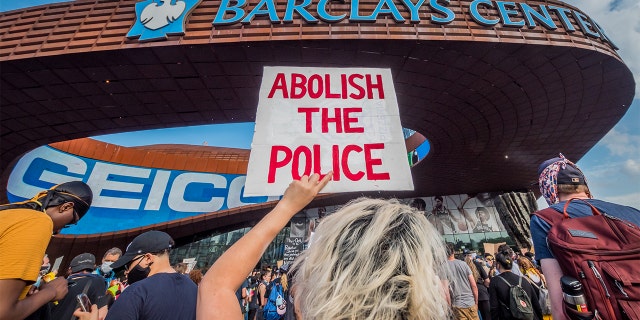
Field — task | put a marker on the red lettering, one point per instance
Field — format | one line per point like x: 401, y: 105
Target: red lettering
x: 307, y: 118
x: 305, y: 161
x: 359, y: 88
x: 295, y: 168
x: 337, y: 119
x: 345, y: 163
x: 274, y: 163
x: 335, y: 153
x: 349, y: 120
x: 298, y: 81
x: 320, y: 89
x: 316, y: 159
x: 343, y: 84
x: 370, y: 162
x: 279, y: 84
x: 371, y: 86
x: 327, y: 80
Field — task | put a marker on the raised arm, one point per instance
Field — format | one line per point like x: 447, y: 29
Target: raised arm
x: 216, y: 293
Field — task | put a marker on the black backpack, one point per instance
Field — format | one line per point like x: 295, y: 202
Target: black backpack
x: 519, y: 302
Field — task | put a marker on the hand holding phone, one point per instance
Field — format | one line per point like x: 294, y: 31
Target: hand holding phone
x: 84, y: 302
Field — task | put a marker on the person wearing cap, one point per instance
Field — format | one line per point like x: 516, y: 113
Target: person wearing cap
x: 25, y: 230
x: 156, y: 291
x: 80, y: 280
x: 560, y: 180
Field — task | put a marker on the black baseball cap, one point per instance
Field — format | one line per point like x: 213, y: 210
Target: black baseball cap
x: 83, y: 261
x: 569, y: 175
x: 149, y: 242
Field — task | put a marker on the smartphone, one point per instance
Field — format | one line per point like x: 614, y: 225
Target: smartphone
x: 84, y: 302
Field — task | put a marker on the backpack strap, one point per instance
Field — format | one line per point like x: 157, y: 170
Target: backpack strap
x: 520, y: 281
x: 505, y: 281
x: 551, y: 216
x: 506, y: 306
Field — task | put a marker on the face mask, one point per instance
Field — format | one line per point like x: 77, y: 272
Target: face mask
x: 137, y: 273
x: 106, y: 267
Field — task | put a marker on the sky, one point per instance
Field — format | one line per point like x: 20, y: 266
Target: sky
x: 612, y: 166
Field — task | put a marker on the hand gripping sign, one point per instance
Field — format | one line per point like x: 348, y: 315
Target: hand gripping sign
x: 314, y: 120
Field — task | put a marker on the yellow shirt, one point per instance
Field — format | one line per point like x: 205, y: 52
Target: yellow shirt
x: 24, y: 237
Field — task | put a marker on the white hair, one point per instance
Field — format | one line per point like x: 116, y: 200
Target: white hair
x: 372, y: 259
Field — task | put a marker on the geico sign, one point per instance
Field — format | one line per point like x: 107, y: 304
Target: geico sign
x: 117, y: 186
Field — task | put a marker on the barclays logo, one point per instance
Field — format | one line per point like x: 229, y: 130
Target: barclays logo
x: 157, y: 19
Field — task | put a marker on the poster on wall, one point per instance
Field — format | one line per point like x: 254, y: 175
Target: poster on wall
x: 316, y: 120
x: 460, y: 214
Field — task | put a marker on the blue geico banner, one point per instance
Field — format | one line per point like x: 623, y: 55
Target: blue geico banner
x: 124, y: 196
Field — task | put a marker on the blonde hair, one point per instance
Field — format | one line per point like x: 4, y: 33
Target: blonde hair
x: 474, y: 270
x: 372, y: 259
x: 526, y: 265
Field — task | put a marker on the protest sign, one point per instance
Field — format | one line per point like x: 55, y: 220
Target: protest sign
x: 314, y: 120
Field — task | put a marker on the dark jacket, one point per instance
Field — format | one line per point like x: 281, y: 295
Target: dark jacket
x: 499, y: 292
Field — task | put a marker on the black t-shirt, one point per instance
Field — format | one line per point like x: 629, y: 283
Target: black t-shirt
x: 163, y: 296
x: 91, y: 284
x: 499, y: 292
x: 483, y: 292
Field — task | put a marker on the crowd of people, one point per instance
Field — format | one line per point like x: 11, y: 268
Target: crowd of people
x: 371, y: 259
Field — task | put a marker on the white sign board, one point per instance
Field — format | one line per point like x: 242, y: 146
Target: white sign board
x: 191, y: 263
x: 313, y: 120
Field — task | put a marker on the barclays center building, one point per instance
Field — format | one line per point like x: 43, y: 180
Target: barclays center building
x: 486, y: 91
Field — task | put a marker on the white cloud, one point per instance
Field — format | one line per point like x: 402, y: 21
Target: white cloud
x: 622, y: 144
x: 619, y: 18
x: 632, y: 167
x: 630, y: 199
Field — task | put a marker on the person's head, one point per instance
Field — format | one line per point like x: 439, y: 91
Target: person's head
x: 489, y: 259
x: 529, y: 255
x: 450, y: 249
x: 84, y: 262
x: 418, y: 203
x: 146, y: 255
x: 333, y: 279
x: 109, y: 257
x: 525, y: 264
x: 265, y: 275
x: 181, y: 268
x: 559, y: 177
x: 438, y: 200
x: 468, y: 259
x: 65, y: 203
x: 482, y: 214
x: 504, y: 261
x: 196, y: 276
x: 506, y: 249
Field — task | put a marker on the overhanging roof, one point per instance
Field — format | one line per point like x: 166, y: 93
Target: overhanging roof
x: 493, y: 102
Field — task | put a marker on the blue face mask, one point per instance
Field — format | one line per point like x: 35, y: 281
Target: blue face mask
x: 106, y: 267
